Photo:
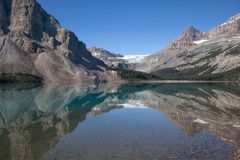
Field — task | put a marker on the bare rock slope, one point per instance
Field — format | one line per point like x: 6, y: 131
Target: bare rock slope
x: 33, y: 42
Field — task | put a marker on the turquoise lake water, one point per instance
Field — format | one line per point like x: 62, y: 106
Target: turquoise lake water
x: 114, y: 122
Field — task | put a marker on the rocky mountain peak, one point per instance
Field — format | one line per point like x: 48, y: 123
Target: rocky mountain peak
x: 33, y: 42
x: 191, y: 36
x: 101, y: 52
x: 186, y: 39
x: 191, y: 29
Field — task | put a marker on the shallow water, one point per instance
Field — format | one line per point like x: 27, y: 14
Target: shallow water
x: 128, y: 121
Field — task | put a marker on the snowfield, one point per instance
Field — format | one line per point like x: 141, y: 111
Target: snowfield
x: 200, y: 41
x: 134, y: 58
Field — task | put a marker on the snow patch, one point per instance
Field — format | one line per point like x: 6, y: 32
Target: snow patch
x: 134, y: 58
x: 231, y: 21
x: 200, y: 41
x: 200, y: 121
x: 96, y: 54
x: 236, y: 126
x: 223, y: 24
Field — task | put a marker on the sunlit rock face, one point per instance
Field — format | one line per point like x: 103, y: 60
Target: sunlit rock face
x: 33, y: 119
x: 33, y: 42
x: 187, y: 39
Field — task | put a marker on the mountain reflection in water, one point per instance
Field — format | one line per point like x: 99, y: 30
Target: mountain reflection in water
x: 132, y: 121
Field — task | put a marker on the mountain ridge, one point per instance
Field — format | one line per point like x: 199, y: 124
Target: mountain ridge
x: 212, y: 55
x: 33, y: 43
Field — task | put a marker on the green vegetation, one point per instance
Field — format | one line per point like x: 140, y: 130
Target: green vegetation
x: 234, y: 51
x: 19, y: 78
x: 131, y: 75
x: 205, y: 72
x: 193, y: 74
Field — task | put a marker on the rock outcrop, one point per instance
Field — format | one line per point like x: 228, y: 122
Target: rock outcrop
x: 33, y: 42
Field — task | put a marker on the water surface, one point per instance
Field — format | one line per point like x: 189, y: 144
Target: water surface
x: 128, y: 121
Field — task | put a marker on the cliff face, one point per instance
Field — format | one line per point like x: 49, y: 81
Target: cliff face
x: 33, y: 42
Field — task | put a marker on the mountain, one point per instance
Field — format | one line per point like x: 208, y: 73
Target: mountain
x: 213, y: 55
x: 228, y: 29
x: 32, y: 42
x: 187, y: 39
x: 100, y: 52
x: 109, y: 58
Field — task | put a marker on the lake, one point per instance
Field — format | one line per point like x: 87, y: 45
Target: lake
x: 120, y: 121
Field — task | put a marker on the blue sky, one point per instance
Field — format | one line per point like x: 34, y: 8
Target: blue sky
x: 137, y: 26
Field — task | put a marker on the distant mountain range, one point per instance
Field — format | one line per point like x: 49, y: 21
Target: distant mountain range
x: 194, y: 55
x: 35, y: 46
x: 116, y: 60
x: 213, y: 55
x: 109, y: 58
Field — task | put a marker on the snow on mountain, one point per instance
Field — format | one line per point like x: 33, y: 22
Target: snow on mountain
x: 231, y: 20
x: 134, y: 58
x: 200, y: 41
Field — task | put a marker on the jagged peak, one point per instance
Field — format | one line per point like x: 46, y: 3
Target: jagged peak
x: 186, y: 39
x: 97, y: 50
x: 192, y: 29
x: 190, y: 32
